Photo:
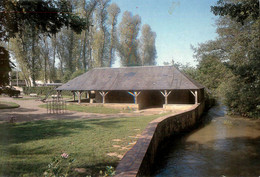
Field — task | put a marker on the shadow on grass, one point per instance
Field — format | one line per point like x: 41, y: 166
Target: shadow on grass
x: 17, y: 150
x: 45, y: 129
x: 17, y: 154
x: 19, y: 109
x: 36, y: 130
x: 107, y: 123
x: 18, y: 168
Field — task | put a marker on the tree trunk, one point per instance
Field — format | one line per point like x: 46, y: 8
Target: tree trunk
x: 33, y: 58
x: 84, y: 51
x: 53, y: 73
x: 70, y: 67
x: 111, y: 44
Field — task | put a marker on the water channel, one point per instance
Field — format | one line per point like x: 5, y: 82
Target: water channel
x: 224, y: 146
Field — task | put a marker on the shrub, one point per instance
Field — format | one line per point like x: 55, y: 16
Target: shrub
x: 59, y: 166
x: 44, y: 90
x: 9, y: 91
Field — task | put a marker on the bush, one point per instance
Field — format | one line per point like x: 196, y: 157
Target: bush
x: 76, y: 74
x: 210, y: 101
x: 44, y: 90
x: 9, y: 91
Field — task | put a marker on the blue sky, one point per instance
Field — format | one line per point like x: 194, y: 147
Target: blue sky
x: 178, y: 25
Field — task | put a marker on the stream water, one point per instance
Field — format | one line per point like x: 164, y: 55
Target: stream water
x: 224, y: 146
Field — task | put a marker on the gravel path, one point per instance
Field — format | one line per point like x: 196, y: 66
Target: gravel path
x: 29, y: 110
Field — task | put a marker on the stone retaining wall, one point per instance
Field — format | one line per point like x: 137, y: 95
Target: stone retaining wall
x: 139, y: 160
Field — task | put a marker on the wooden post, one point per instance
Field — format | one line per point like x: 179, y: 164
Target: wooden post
x: 166, y: 94
x: 17, y: 78
x: 74, y: 95
x: 58, y: 95
x: 103, y: 94
x: 195, y: 94
x: 79, y: 96
x: 135, y: 95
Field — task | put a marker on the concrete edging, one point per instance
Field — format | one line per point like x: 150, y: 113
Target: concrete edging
x: 139, y: 160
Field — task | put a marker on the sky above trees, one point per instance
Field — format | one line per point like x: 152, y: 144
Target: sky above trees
x: 177, y: 23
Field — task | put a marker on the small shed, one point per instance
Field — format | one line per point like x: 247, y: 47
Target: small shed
x: 149, y: 86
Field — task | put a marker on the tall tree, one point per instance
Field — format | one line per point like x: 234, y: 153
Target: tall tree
x: 237, y: 51
x: 101, y: 34
x: 42, y: 16
x: 129, y: 28
x: 211, y: 71
x: 113, y: 12
x: 69, y: 52
x: 88, y: 9
x: 147, y: 48
x: 5, y: 66
x: 26, y: 52
x: 53, y: 75
x: 46, y: 55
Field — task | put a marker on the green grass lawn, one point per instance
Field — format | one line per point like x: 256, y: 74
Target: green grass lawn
x: 26, y: 149
x: 90, y: 109
x: 8, y: 105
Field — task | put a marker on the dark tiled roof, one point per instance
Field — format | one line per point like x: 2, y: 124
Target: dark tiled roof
x: 132, y: 78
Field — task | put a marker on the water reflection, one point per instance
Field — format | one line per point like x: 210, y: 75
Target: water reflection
x: 225, y: 146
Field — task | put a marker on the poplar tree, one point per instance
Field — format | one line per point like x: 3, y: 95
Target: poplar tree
x: 147, y: 46
x: 113, y: 12
x: 101, y: 34
x: 129, y: 28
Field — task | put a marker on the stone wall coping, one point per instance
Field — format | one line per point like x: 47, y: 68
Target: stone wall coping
x: 131, y: 162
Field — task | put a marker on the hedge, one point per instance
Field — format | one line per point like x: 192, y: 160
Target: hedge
x: 44, y: 90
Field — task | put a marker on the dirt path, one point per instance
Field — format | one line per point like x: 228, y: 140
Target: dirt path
x: 29, y: 110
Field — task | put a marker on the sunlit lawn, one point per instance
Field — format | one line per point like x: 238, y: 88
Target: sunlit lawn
x: 26, y: 149
x: 8, y: 105
x: 91, y: 109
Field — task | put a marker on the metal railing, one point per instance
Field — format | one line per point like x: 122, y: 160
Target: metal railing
x: 56, y: 106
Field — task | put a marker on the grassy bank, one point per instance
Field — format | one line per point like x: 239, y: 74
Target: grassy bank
x: 8, y: 105
x: 27, y: 148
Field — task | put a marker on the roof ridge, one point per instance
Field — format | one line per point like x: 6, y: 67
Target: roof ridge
x: 152, y: 66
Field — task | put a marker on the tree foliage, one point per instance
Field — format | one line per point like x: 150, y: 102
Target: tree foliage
x: 113, y: 12
x: 47, y: 16
x: 5, y: 66
x: 239, y: 11
x: 129, y: 28
x: 32, y: 18
x: 147, y: 46
x: 51, y: 46
x: 230, y: 64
